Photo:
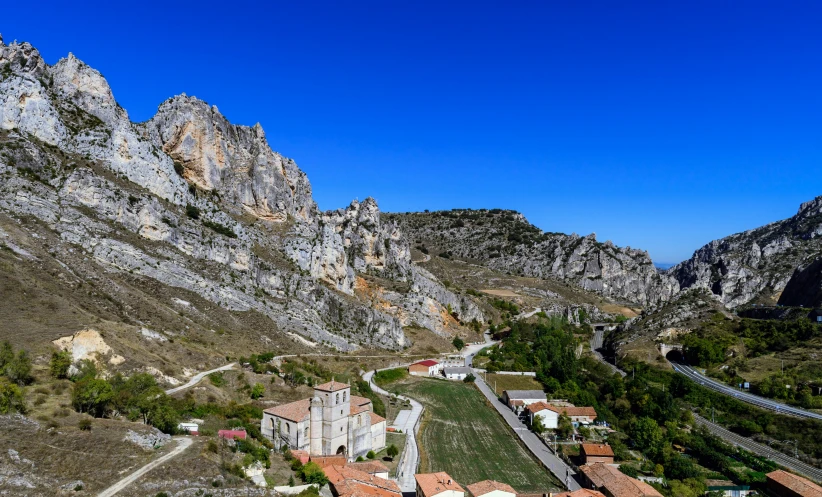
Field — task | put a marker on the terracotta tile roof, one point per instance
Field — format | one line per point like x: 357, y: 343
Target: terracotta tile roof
x: 376, y: 419
x: 332, y: 386
x: 369, y: 467
x: 301, y: 455
x: 360, y: 401
x: 616, y: 483
x: 324, y: 461
x: 574, y: 411
x: 351, y: 482
x: 797, y: 484
x: 538, y: 406
x: 485, y: 486
x: 355, y: 409
x: 427, y: 363
x: 432, y: 484
x: 582, y: 492
x: 295, y: 411
x: 597, y: 450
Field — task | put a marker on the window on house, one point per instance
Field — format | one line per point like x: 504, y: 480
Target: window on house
x: 288, y: 428
x: 306, y: 432
x: 337, y: 399
x: 344, y: 396
x: 359, y: 420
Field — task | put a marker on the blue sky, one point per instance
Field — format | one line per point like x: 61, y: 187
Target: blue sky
x: 659, y: 125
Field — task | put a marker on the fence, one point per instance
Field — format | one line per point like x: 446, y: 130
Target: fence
x: 517, y: 373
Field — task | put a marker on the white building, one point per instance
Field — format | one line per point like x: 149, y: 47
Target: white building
x: 456, y: 373
x: 330, y: 423
x: 518, y: 399
x: 425, y: 368
x: 453, y: 361
x: 491, y: 488
x: 541, y: 411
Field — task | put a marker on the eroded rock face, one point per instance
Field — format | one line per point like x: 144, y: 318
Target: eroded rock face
x: 71, y: 158
x: 88, y: 345
x: 234, y: 161
x: 755, y: 264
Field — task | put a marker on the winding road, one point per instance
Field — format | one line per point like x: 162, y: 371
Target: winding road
x: 722, y: 388
x: 182, y: 444
x: 596, y: 343
x: 198, y: 378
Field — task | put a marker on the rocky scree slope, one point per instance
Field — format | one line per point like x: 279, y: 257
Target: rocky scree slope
x: 190, y: 201
x: 757, y: 265
x: 504, y: 240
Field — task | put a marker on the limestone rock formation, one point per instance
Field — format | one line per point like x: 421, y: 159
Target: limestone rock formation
x: 191, y: 201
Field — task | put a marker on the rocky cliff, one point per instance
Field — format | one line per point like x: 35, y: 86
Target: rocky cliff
x: 506, y: 241
x: 190, y: 201
x: 756, y: 265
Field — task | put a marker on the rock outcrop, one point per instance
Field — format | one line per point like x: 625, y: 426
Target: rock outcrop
x: 192, y: 201
x: 506, y: 241
x: 756, y: 265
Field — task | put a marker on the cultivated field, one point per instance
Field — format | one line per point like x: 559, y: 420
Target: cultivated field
x: 511, y: 382
x: 462, y: 435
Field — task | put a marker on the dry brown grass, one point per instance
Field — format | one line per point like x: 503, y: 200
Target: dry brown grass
x: 511, y: 382
x: 500, y: 292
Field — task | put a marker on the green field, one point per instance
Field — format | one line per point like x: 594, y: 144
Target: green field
x: 462, y: 435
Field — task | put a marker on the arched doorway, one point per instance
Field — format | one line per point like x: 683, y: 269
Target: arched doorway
x: 341, y: 450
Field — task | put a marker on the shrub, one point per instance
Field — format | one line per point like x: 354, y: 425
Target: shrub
x: 217, y: 379
x: 458, y: 343
x: 84, y: 424
x: 60, y: 364
x: 11, y: 398
x: 219, y: 228
x: 257, y: 391
x: 392, y: 451
x: 313, y: 473
x: 371, y: 454
x: 192, y: 211
x: 470, y: 378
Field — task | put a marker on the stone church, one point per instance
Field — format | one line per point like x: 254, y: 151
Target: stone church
x: 333, y: 422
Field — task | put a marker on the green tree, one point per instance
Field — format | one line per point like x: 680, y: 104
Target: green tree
x: 470, y: 378
x: 458, y: 343
x: 92, y: 396
x: 6, y: 355
x: 648, y: 436
x: 392, y: 451
x: 18, y: 369
x: 538, y: 426
x: 371, y: 454
x: 313, y: 473
x: 257, y: 391
x: 564, y: 426
x: 11, y: 398
x: 60, y: 364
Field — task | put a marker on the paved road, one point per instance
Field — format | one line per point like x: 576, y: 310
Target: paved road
x: 762, y: 402
x: 596, y: 344
x: 182, y: 444
x: 410, y: 458
x: 533, y: 442
x: 761, y: 450
x: 198, y: 378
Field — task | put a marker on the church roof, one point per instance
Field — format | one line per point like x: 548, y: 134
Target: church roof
x: 332, y: 386
x: 294, y: 411
x: 376, y: 419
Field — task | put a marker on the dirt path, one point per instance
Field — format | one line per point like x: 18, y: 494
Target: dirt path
x: 182, y: 444
x: 198, y: 378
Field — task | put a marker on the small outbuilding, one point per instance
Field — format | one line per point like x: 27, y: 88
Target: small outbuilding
x: 592, y: 453
x: 424, y: 368
x: 518, y: 399
x: 491, y: 488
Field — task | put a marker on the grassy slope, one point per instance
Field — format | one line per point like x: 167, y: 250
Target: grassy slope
x: 465, y: 437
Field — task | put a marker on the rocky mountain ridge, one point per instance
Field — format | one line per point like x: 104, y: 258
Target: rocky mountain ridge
x: 191, y: 201
x: 756, y: 265
x: 504, y: 240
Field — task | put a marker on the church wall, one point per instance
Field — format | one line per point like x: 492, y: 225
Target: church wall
x: 377, y: 433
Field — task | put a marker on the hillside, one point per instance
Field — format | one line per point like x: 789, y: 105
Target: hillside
x: 188, y: 227
x: 505, y: 241
x: 756, y: 265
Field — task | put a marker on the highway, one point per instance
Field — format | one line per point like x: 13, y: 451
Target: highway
x: 761, y: 450
x: 762, y: 402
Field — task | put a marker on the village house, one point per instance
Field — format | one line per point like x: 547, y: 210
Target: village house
x: 578, y: 415
x: 456, y: 373
x: 614, y: 483
x: 491, y: 488
x: 780, y: 483
x: 424, y: 368
x: 518, y: 399
x: 346, y: 481
x: 592, y: 453
x: 729, y: 489
x: 437, y: 485
x: 375, y: 468
x: 333, y: 422
x: 548, y: 417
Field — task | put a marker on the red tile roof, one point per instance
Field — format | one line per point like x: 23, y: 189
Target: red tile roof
x: 432, y: 484
x: 324, y: 461
x: 350, y: 482
x: 332, y: 386
x: 574, y: 411
x: 486, y: 486
x: 797, y: 484
x: 427, y: 363
x: 616, y: 483
x: 582, y: 492
x: 294, y: 411
x: 369, y: 467
x: 376, y: 419
x: 597, y: 450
